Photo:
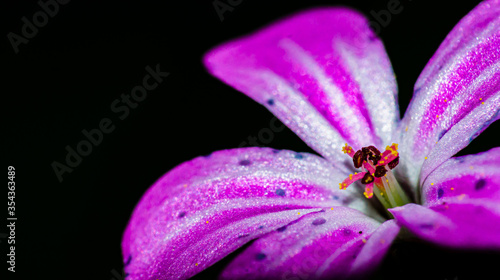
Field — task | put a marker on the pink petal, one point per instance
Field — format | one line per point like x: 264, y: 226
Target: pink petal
x: 462, y: 197
x: 457, y: 95
x: 468, y: 177
x: 323, y: 245
x: 206, y: 208
x: 322, y: 72
x: 466, y: 224
x: 461, y: 203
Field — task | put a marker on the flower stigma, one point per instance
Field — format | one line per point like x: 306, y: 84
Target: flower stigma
x: 376, y: 174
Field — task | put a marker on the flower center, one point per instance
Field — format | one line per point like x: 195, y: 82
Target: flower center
x: 376, y: 174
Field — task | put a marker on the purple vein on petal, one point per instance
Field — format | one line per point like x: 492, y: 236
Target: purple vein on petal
x: 463, y: 77
x: 330, y: 99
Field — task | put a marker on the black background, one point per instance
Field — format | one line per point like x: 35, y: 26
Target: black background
x: 66, y: 77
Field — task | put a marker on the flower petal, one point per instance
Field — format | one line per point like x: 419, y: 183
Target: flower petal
x: 457, y: 95
x: 206, y: 208
x: 462, y: 197
x: 322, y: 72
x: 467, y: 223
x: 321, y: 245
x: 463, y: 200
x: 468, y: 177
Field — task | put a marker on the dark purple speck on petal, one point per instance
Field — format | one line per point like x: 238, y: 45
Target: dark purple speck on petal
x: 426, y: 226
x: 243, y: 235
x: 346, y: 200
x: 129, y: 259
x: 347, y: 231
x: 281, y: 229
x: 440, y: 193
x: 318, y: 221
x: 245, y: 162
x: 480, y: 184
x: 280, y: 192
x: 260, y: 256
x: 182, y: 214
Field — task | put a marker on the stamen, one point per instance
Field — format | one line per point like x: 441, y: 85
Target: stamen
x: 358, y: 158
x: 372, y: 153
x: 393, y: 182
x: 388, y: 189
x: 369, y: 191
x: 380, y: 171
x: 380, y: 195
x: 347, y: 150
x: 367, y: 179
x: 369, y: 167
x: 352, y: 178
x: 377, y: 174
x: 394, y: 163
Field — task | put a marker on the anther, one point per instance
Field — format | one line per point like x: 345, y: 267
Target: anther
x: 394, y: 163
x: 367, y: 179
x: 380, y: 171
x: 372, y: 153
x: 358, y: 158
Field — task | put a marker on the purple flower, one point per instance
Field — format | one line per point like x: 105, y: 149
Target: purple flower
x: 326, y: 75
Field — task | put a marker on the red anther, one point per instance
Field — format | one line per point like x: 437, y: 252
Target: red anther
x: 380, y: 171
x: 358, y: 158
x: 372, y: 153
x: 367, y: 179
x: 394, y: 163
